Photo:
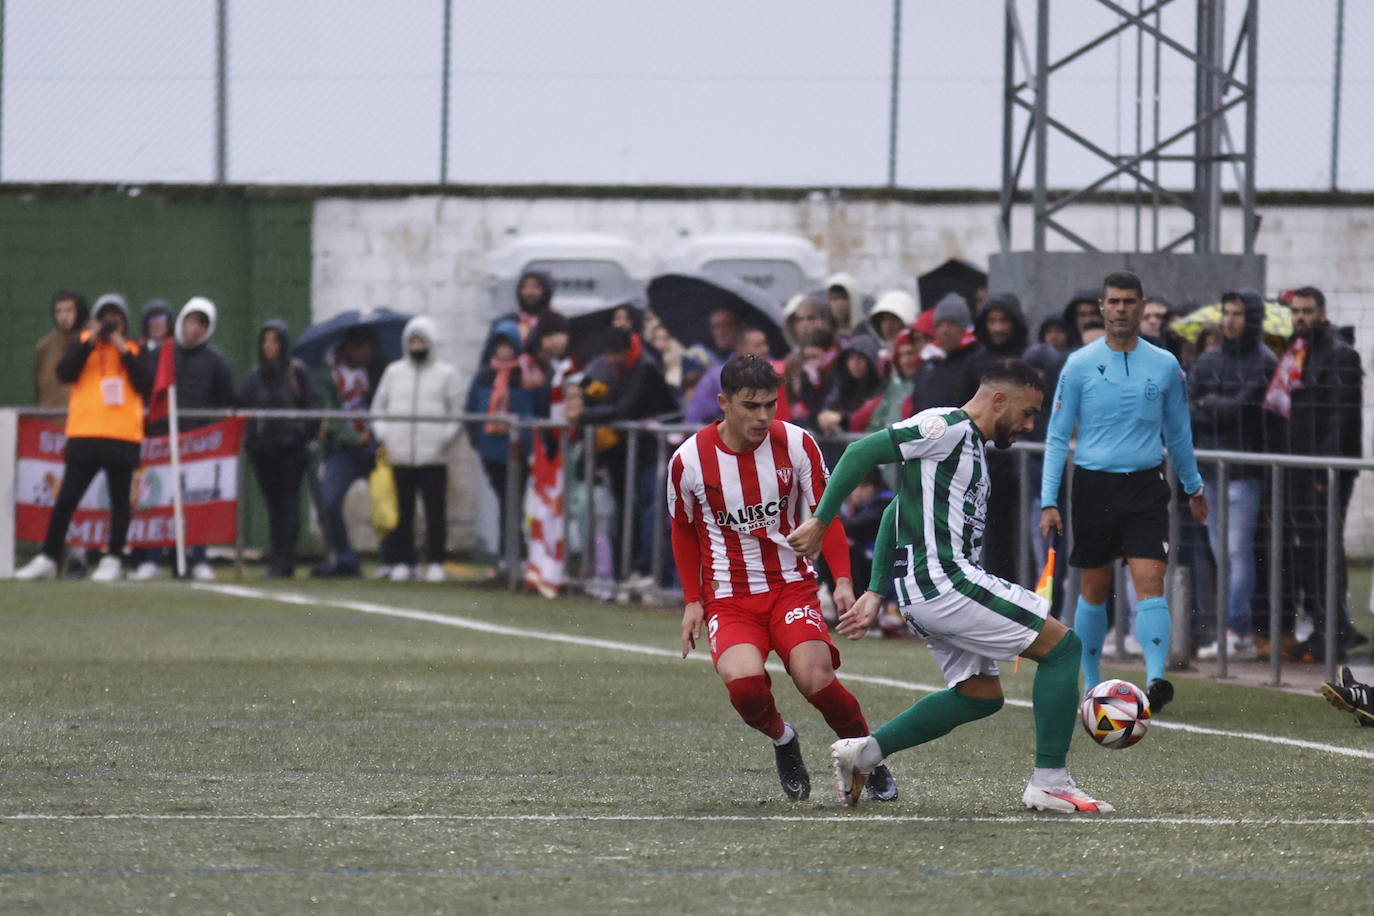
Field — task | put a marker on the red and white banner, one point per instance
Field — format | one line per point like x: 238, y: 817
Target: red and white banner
x: 209, y: 475
x: 544, y: 521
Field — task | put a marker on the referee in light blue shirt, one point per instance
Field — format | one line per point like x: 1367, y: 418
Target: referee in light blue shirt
x: 1128, y: 400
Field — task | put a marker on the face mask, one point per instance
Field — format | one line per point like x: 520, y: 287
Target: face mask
x: 419, y: 356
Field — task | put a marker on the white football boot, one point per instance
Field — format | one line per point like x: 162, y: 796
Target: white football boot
x: 203, y: 572
x: 109, y: 569
x: 1064, y: 797
x: 853, y: 759
x: 400, y: 573
x: 434, y: 572
x: 145, y: 572
x: 40, y: 567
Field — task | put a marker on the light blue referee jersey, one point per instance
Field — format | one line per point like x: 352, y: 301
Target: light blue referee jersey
x: 1127, y: 408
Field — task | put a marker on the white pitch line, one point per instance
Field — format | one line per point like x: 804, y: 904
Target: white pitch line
x: 721, y: 818
x: 368, y: 607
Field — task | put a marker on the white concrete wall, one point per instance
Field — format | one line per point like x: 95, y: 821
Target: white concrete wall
x: 424, y: 255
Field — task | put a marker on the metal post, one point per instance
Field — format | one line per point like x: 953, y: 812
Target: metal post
x: 894, y: 93
x: 242, y: 478
x: 515, y: 514
x: 1275, y: 571
x: 627, y: 505
x: 444, y: 92
x: 221, y: 91
x: 1223, y: 558
x: 1041, y: 126
x: 1008, y: 112
x: 1207, y: 99
x: 1251, y: 228
x: 1025, y: 562
x: 9, y: 461
x: 1181, y: 594
x: 1333, y: 597
x: 660, y: 509
x: 1335, y: 92
x: 2, y: 88
x: 589, y: 505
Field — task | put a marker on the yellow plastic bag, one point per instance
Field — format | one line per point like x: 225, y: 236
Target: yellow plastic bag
x: 381, y: 483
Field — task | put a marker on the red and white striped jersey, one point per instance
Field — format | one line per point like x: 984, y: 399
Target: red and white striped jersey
x: 744, y: 504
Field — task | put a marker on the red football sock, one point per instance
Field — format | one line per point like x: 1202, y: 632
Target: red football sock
x: 840, y: 709
x: 754, y: 702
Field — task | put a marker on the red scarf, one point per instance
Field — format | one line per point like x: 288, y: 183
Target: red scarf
x: 500, y: 394
x: 634, y: 354
x: 1287, y: 379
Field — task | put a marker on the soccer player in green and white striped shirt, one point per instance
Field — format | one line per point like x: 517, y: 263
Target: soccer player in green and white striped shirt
x: 968, y: 617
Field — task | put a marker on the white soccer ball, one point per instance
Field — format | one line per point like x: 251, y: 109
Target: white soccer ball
x: 1115, y: 713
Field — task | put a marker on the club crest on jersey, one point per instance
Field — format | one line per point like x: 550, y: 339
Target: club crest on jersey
x: 748, y: 518
x: 932, y: 427
x: 784, y: 478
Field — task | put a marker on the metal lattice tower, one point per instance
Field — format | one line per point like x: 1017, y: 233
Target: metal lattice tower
x: 1221, y: 97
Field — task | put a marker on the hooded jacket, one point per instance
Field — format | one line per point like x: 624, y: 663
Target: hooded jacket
x: 150, y: 350
x: 104, y: 425
x: 988, y: 354
x: 1326, y: 411
x: 524, y: 320
x: 203, y: 377
x: 1226, y: 389
x: 1070, y: 315
x: 856, y: 304
x: 849, y: 395
x: 282, y: 384
x: 48, y: 391
x: 410, y: 387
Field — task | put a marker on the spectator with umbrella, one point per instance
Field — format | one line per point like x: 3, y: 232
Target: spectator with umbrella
x: 348, y: 380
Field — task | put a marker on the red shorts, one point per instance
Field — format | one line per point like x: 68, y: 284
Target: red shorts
x: 776, y: 621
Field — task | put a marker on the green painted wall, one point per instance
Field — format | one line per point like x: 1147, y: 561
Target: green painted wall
x: 250, y: 255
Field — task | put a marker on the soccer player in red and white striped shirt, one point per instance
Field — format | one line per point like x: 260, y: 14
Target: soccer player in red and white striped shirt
x: 736, y: 489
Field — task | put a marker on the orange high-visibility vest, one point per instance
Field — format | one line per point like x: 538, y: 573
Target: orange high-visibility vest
x: 88, y: 416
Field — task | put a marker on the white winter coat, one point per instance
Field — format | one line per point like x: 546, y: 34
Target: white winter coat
x: 406, y: 388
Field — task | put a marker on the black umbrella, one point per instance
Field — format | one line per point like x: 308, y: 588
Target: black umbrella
x: 318, y: 339
x: 953, y: 276
x: 587, y: 332
x: 684, y: 303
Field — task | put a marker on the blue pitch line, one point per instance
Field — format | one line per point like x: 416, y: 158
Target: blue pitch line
x: 133, y: 871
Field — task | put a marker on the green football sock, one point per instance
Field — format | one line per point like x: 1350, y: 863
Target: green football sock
x: 1054, y: 697
x: 935, y: 715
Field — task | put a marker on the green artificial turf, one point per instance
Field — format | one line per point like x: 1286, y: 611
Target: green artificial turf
x: 192, y: 751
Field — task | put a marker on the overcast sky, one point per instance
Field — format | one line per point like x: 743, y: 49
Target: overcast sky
x: 767, y: 92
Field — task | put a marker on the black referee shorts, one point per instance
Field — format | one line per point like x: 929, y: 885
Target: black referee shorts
x: 1119, y: 516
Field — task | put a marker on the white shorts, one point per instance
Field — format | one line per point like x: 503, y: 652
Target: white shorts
x: 968, y: 630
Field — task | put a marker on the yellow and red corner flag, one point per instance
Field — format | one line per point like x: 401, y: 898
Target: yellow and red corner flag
x: 165, y: 378
x: 1045, y: 587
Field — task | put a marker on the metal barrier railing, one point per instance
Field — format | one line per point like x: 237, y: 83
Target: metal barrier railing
x: 666, y: 436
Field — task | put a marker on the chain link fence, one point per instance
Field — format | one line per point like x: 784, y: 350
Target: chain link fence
x: 769, y: 93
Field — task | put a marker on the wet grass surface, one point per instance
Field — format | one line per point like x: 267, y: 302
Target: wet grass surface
x: 165, y: 749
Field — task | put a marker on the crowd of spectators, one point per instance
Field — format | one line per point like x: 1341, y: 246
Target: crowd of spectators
x: 855, y: 364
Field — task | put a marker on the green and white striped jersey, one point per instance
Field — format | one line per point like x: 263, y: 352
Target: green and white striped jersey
x: 942, y: 502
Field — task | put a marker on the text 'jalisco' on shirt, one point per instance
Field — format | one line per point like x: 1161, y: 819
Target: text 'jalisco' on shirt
x: 1127, y: 407
x: 744, y: 504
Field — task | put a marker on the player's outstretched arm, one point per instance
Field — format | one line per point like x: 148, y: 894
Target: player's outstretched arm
x: 858, y: 459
